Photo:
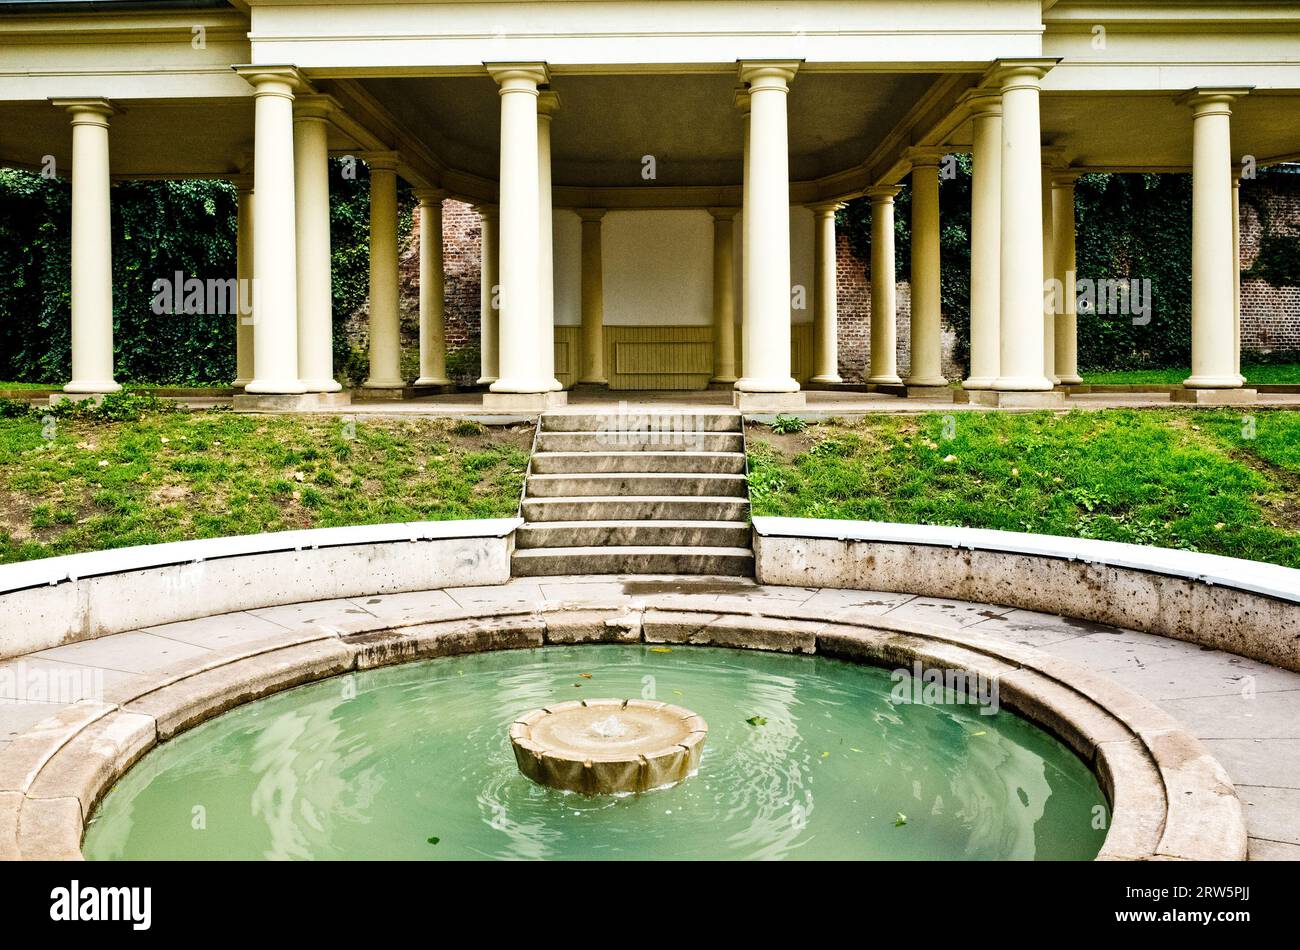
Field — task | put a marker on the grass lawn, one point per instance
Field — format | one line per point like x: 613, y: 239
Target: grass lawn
x: 1220, y: 482
x: 1261, y: 374
x: 81, y: 484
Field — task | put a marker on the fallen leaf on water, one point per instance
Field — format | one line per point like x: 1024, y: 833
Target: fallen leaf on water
x: 661, y: 649
x: 757, y: 720
x: 900, y: 820
x: 585, y: 676
x: 434, y: 840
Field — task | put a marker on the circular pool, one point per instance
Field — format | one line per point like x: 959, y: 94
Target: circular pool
x: 807, y: 757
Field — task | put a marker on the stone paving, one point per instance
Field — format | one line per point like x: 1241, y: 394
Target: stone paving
x: 1246, y: 713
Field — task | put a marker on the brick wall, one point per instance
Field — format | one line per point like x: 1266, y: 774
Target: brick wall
x: 1270, y: 316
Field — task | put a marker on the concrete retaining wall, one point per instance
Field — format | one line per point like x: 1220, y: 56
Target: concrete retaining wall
x: 52, y: 601
x: 1243, y: 607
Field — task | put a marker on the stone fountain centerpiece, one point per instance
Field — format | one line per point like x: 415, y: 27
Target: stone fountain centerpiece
x: 608, y: 746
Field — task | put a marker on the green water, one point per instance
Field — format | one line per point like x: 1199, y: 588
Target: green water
x: 376, y: 764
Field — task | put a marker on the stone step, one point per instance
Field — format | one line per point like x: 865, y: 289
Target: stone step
x: 539, y: 562
x: 636, y: 508
x: 666, y: 425
x: 605, y: 441
x: 587, y: 463
x: 578, y: 534
x: 635, y: 483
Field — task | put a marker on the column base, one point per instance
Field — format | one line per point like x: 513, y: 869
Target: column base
x: 827, y: 378
x: 432, y: 381
x: 767, y: 402
x: 289, y: 402
x: 1002, y: 399
x: 322, y: 385
x: 92, y: 387
x: 485, y: 380
x: 93, y: 398
x: 978, y: 382
x: 1215, y: 397
x: 240, y: 383
x: 526, y: 402
x: 1073, y: 379
x: 276, y: 387
x: 601, y: 383
x: 944, y: 393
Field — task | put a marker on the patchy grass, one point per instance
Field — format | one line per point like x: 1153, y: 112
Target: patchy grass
x: 1269, y: 373
x: 1174, y: 478
x: 83, y: 483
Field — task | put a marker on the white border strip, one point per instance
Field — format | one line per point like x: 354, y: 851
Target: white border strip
x: 51, y: 571
x: 1270, y: 580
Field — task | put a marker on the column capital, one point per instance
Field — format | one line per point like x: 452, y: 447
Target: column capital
x: 94, y: 110
x: 315, y: 106
x: 1053, y: 156
x: 723, y: 214
x: 982, y: 102
x: 767, y: 74
x: 925, y: 157
x: 1218, y: 100
x: 740, y: 99
x: 1009, y: 74
x: 590, y: 214
x: 381, y: 160
x: 430, y: 196
x: 825, y: 207
x: 1065, y: 177
x: 548, y: 103
x: 242, y: 182
x: 518, y: 77
x: 489, y: 211
x: 281, y: 80
x: 882, y: 194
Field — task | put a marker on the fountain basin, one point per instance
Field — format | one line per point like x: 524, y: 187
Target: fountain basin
x: 608, y: 746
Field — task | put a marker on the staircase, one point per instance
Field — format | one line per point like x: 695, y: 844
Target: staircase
x: 652, y: 493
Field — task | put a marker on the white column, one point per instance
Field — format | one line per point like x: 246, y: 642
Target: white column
x: 593, y: 299
x: 433, y: 333
x: 1049, y: 273
x: 741, y: 102
x: 826, y: 349
x: 1063, y: 247
x: 927, y: 344
x: 523, y: 366
x: 92, y: 248
x: 1021, y: 255
x: 548, y: 101
x: 884, y: 301
x: 385, y: 327
x: 1213, y: 266
x: 244, y: 280
x: 312, y: 206
x: 985, y: 239
x: 275, y: 243
x: 767, y: 232
x: 1236, y: 273
x: 489, y: 294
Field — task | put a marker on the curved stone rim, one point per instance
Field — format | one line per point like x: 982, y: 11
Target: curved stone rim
x: 1169, y: 799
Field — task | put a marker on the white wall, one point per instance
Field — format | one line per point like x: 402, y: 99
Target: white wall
x: 659, y: 266
x: 567, y: 249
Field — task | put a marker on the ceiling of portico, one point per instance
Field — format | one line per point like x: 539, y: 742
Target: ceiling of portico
x: 607, y: 124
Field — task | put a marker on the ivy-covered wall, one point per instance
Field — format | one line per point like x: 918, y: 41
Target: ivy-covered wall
x: 159, y: 228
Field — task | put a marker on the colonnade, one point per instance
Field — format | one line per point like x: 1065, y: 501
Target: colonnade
x: 1022, y: 212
